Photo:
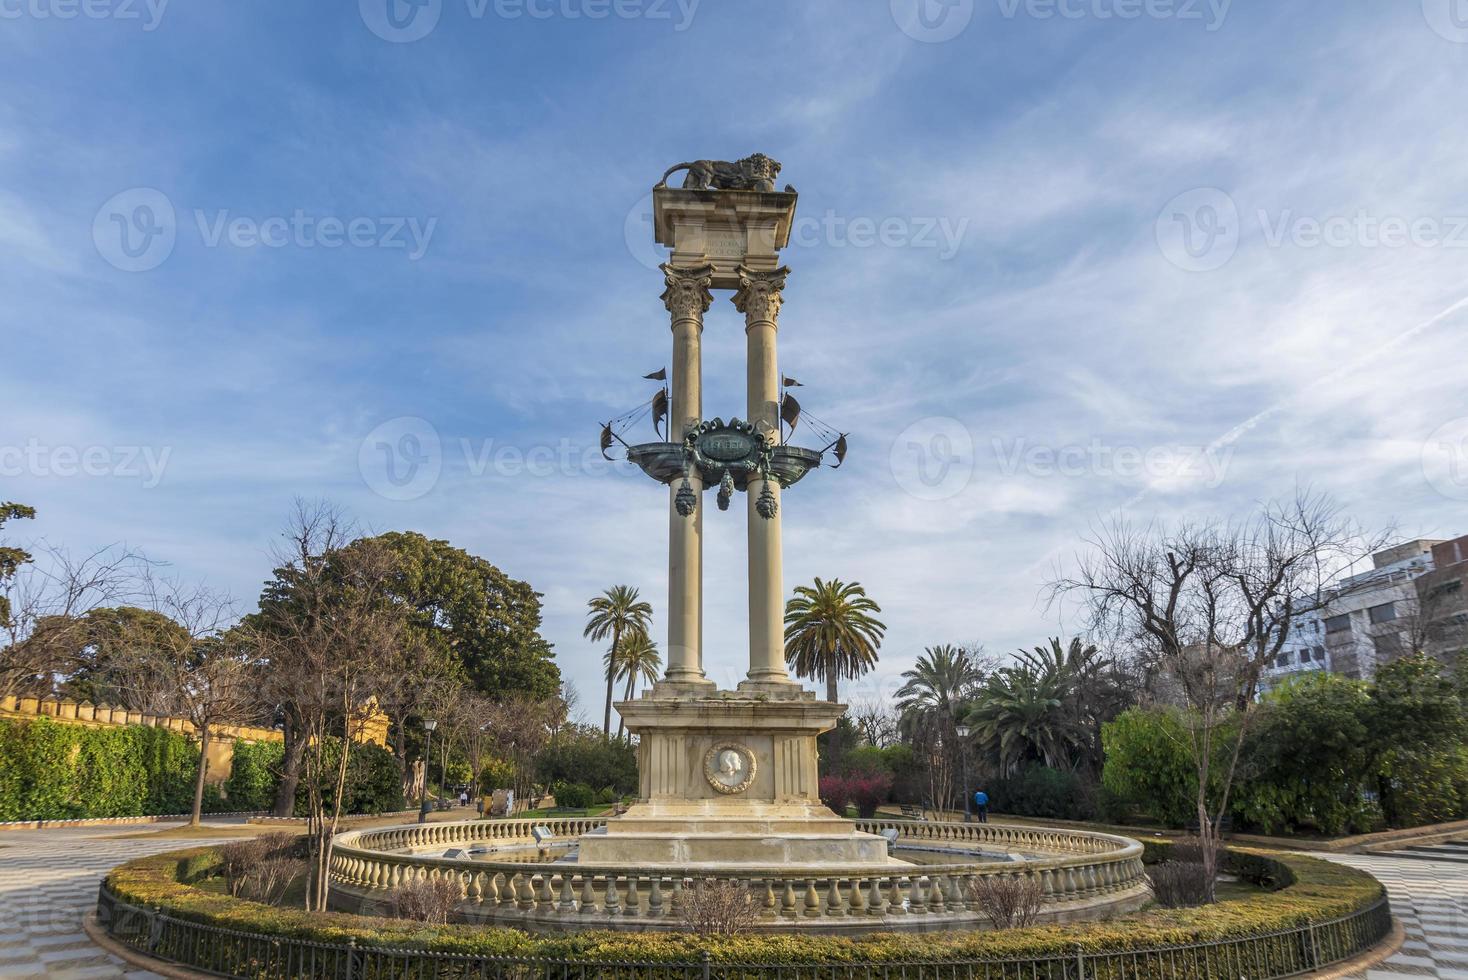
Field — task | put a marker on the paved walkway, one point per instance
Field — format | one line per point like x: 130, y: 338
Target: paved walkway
x: 48, y: 882
x: 1429, y: 894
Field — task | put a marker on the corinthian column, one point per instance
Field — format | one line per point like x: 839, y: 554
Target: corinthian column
x: 687, y: 299
x: 759, y: 299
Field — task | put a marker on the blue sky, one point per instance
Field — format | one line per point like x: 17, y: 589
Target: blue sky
x: 1056, y: 259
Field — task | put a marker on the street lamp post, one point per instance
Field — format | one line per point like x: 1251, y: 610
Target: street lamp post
x: 428, y: 726
x: 963, y: 732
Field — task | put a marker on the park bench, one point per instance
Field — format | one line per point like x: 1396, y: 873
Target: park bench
x: 910, y: 812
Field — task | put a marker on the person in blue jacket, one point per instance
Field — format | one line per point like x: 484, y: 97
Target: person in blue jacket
x: 981, y: 806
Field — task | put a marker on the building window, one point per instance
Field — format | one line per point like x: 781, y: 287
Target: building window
x: 1320, y: 654
x: 1387, y: 645
x: 1338, y: 624
x: 1445, y: 590
x: 1304, y: 656
x: 1384, y: 613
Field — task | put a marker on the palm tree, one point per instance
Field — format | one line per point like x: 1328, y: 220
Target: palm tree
x: 929, y: 704
x: 1020, y: 716
x: 638, y: 660
x: 942, y: 679
x: 616, y: 613
x: 830, y: 632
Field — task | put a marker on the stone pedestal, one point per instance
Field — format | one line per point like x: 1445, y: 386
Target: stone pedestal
x: 730, y: 780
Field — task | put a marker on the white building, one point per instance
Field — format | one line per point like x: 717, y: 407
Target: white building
x: 1370, y: 619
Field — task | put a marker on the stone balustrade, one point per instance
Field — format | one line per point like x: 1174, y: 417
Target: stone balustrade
x: 1081, y: 875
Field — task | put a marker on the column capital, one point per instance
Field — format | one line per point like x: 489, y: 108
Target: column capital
x: 760, y: 294
x: 687, y: 296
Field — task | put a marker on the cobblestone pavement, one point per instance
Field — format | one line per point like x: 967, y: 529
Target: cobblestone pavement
x: 48, y: 882
x: 1430, y: 896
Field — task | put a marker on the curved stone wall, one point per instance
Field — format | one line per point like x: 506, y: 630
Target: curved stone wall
x: 1082, y: 875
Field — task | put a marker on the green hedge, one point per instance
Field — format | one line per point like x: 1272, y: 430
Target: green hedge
x: 1312, y: 891
x: 374, y: 781
x: 54, y: 771
x: 254, y: 775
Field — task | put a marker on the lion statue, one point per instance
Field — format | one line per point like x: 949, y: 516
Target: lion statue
x: 753, y: 173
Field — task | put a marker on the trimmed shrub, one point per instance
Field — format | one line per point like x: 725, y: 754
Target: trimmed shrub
x: 577, y: 796
x: 580, y: 754
x: 254, y: 775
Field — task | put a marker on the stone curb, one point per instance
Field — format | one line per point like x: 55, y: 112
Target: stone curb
x: 117, y: 821
x: 1383, y: 950
x: 107, y: 944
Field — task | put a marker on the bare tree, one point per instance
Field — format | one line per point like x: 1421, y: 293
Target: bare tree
x: 333, y: 643
x: 201, y: 671
x: 45, y: 600
x: 875, y: 722
x: 1213, y: 604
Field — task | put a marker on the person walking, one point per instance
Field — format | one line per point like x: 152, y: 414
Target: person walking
x: 981, y: 806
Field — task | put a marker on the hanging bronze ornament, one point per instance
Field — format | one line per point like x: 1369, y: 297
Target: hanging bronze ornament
x: 767, y: 506
x: 726, y: 491
x: 687, y: 500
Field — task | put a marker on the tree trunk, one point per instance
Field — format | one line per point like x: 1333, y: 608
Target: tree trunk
x: 831, y: 684
x: 606, y: 724
x: 290, y: 771
x: 631, y: 686
x: 195, y: 815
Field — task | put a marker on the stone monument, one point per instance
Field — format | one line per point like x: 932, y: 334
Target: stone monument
x: 728, y: 778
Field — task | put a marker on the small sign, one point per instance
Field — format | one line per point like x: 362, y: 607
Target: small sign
x: 727, y: 445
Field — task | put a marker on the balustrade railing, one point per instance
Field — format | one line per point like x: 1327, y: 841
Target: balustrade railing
x: 1072, y: 870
